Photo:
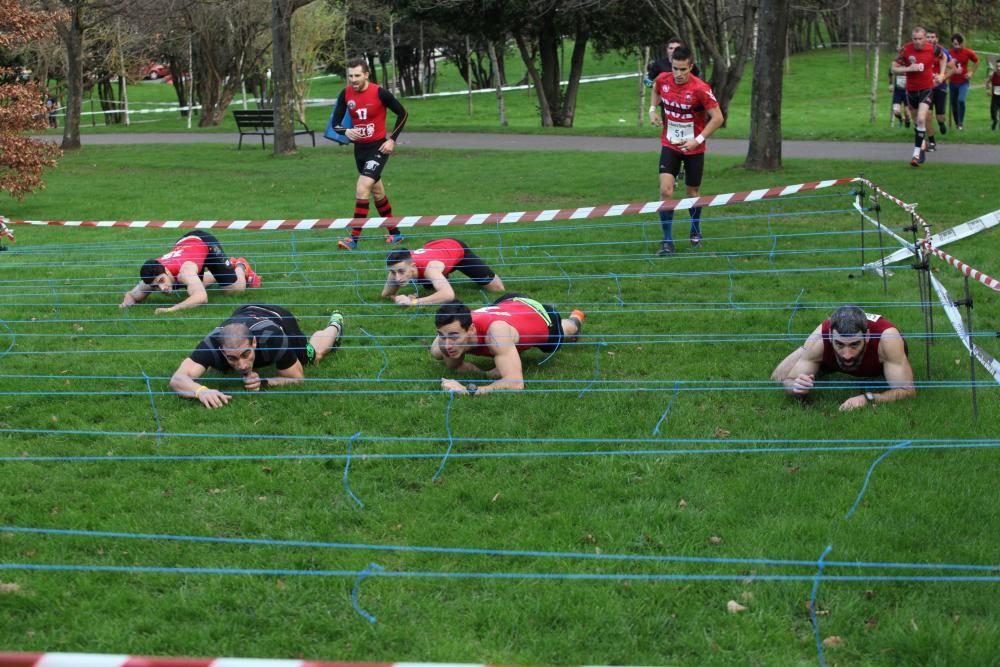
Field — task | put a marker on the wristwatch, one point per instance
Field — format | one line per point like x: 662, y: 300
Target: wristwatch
x: 263, y: 383
x: 870, y: 397
x: 472, y: 389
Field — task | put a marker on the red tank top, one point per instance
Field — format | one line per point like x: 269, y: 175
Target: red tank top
x: 188, y: 249
x: 870, y: 366
x: 367, y: 113
x: 908, y: 55
x: 531, y: 325
x: 447, y: 251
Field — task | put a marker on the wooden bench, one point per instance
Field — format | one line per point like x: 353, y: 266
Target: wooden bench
x: 260, y: 122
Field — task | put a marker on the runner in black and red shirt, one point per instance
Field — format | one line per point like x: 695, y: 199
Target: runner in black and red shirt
x: 513, y: 324
x: 255, y: 336
x: 993, y: 90
x: 690, y: 115
x: 861, y: 344
x: 195, y: 262
x: 916, y: 61
x: 430, y: 266
x: 367, y: 103
x: 939, y: 97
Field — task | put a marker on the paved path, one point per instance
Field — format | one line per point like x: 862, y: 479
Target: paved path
x: 834, y: 150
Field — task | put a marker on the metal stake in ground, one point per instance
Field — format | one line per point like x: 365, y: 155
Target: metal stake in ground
x: 967, y: 302
x: 922, y: 267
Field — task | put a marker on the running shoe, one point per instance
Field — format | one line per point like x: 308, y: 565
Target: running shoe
x: 666, y: 249
x: 942, y: 127
x: 336, y: 320
x: 393, y: 239
x: 931, y: 146
x: 695, y: 239
x: 923, y: 153
x: 578, y: 316
x: 348, y: 243
x: 253, y: 280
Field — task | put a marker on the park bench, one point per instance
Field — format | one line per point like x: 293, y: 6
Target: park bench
x: 260, y: 122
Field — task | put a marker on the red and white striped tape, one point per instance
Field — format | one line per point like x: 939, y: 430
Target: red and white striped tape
x: 967, y: 270
x: 99, y: 660
x: 586, y: 212
x: 909, y: 208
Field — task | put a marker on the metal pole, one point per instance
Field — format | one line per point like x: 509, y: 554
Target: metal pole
x: 967, y: 302
x: 881, y: 244
x: 861, y: 206
x: 921, y: 267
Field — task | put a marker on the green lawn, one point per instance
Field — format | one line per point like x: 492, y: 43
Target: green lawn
x: 693, y: 337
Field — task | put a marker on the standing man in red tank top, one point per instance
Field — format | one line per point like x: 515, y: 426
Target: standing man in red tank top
x: 430, y: 266
x: 861, y: 344
x: 916, y: 61
x: 513, y: 324
x: 367, y: 103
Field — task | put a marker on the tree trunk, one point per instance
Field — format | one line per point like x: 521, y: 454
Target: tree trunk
x: 548, y: 53
x: 575, y: 71
x: 764, y: 153
x: 875, y: 72
x: 501, y: 110
x: 899, y: 27
x: 529, y: 63
x: 72, y: 36
x: 282, y: 77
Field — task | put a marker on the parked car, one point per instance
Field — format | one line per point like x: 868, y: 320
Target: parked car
x: 155, y: 71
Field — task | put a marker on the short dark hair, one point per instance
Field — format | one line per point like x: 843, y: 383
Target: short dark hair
x: 675, y: 40
x: 398, y: 255
x: 681, y: 53
x: 453, y: 311
x: 957, y: 37
x: 359, y: 62
x: 849, y: 321
x: 150, y: 269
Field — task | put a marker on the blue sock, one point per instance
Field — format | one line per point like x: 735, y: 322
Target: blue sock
x: 667, y: 225
x: 696, y: 220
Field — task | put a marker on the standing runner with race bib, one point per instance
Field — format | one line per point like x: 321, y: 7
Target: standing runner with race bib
x: 691, y: 114
x: 367, y: 102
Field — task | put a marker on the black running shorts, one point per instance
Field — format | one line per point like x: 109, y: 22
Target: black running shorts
x: 370, y: 161
x: 694, y: 165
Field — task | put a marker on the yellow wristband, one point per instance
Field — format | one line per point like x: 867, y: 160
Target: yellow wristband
x: 413, y: 301
x: 201, y: 388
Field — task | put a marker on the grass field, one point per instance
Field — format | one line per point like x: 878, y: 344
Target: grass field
x: 573, y: 467
x: 825, y: 97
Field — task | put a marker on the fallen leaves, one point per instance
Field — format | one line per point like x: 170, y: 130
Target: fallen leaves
x: 734, y: 607
x: 721, y: 433
x: 8, y: 588
x: 833, y: 641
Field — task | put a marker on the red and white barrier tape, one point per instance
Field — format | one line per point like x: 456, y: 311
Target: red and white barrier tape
x: 586, y: 212
x: 962, y: 231
x: 967, y: 270
x: 5, y: 232
x: 984, y: 358
x: 909, y: 208
x: 99, y: 660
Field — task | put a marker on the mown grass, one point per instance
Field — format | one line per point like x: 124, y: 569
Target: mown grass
x: 648, y: 320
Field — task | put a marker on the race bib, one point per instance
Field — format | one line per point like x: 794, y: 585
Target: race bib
x: 679, y: 132
x: 901, y: 81
x: 996, y: 90
x: 366, y: 130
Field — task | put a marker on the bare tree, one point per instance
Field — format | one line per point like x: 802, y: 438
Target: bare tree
x: 720, y: 33
x: 875, y: 71
x: 764, y: 152
x: 77, y: 17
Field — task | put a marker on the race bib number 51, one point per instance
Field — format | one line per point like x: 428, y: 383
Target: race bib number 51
x: 680, y: 132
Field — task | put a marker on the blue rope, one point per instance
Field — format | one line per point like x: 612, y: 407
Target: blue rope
x: 451, y: 440
x: 371, y: 569
x: 597, y: 367
x: 510, y: 553
x: 864, y: 486
x: 551, y: 576
x: 794, y: 308
x: 152, y: 403
x: 569, y: 280
x: 618, y: 285
x: 656, y: 429
x: 812, y: 605
x: 385, y: 357
x: 347, y: 469
x: 13, y: 338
